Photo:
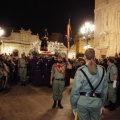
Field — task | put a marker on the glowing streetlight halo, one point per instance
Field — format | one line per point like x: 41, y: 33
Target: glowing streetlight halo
x: 92, y: 27
x: 86, y: 30
x: 1, y: 32
x: 87, y: 24
x: 82, y: 30
x: 87, y: 46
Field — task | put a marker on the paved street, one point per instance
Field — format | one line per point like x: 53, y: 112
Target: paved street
x: 34, y: 103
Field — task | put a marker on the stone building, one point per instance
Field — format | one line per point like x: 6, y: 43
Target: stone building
x: 18, y: 42
x: 80, y: 44
x: 107, y: 28
x: 24, y: 41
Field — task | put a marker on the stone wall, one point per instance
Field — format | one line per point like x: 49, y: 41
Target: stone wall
x: 24, y: 41
x: 19, y: 41
x: 107, y: 27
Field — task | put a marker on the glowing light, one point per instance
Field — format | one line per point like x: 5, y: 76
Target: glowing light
x: 1, y: 32
x: 87, y: 46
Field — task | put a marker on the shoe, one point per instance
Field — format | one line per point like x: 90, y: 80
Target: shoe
x: 2, y: 89
x: 112, y: 107
x: 108, y: 105
x: 59, y: 104
x: 24, y: 84
x: 54, y: 104
x: 21, y: 84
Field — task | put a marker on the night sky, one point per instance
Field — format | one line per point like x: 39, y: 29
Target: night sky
x: 39, y: 14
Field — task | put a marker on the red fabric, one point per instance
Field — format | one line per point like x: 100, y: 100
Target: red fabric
x: 91, y: 63
x: 60, y: 70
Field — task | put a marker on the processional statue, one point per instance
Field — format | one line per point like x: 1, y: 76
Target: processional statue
x: 44, y: 45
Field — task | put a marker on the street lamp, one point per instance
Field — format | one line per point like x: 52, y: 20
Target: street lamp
x: 86, y: 30
x: 1, y: 33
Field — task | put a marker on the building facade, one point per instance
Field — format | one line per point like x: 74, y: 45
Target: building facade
x: 18, y: 42
x: 107, y: 28
x: 80, y: 44
x: 24, y: 41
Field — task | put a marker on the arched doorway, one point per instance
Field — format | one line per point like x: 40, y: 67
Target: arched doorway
x: 15, y: 52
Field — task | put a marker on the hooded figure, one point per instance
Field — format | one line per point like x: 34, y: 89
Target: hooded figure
x: 89, y: 89
x: 44, y: 45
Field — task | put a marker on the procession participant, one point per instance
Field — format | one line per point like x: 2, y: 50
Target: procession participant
x: 36, y: 69
x: 89, y: 89
x: 57, y: 79
x: 112, y: 76
x: 22, y: 69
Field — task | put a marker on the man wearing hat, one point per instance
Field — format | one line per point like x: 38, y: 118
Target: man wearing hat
x: 57, y: 79
x: 89, y: 89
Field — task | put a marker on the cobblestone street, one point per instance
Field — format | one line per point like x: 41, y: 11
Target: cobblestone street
x: 34, y: 103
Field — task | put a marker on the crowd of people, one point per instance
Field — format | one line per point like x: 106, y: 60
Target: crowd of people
x: 31, y: 69
x: 34, y: 69
x: 56, y: 71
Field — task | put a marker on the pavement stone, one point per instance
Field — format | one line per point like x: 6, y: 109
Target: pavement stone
x: 35, y: 103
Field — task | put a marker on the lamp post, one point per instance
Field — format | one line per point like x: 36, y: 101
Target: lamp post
x: 86, y: 30
x: 1, y: 33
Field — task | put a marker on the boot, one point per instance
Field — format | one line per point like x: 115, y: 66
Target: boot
x: 54, y: 104
x: 59, y: 104
x: 22, y: 83
x: 108, y: 105
x: 112, y: 107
